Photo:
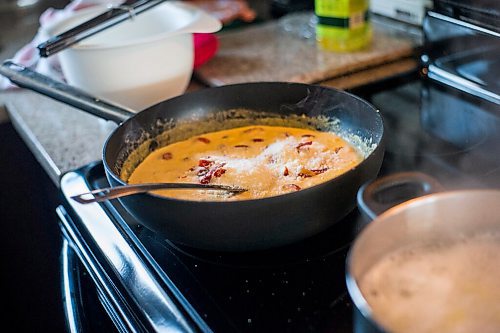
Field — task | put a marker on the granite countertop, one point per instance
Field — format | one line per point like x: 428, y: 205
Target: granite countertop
x: 286, y: 50
x: 63, y: 138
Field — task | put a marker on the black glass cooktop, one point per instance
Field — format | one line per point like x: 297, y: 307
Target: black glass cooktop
x: 429, y: 127
x: 298, y: 288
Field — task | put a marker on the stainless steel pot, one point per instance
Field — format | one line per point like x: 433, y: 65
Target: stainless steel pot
x: 433, y: 217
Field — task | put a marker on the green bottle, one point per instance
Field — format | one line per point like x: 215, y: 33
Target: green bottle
x: 343, y: 25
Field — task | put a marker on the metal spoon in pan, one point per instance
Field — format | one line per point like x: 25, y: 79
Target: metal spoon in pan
x: 120, y: 191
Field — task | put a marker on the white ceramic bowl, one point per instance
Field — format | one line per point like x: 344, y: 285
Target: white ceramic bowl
x: 139, y: 62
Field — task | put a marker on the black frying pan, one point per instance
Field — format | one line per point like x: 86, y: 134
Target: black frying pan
x: 236, y: 225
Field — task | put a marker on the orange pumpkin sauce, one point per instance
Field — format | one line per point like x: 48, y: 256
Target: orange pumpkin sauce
x: 265, y: 160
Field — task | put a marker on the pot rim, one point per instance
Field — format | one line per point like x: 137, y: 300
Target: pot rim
x: 353, y: 288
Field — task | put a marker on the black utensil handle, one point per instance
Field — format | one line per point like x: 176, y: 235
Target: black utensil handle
x: 97, y: 24
x: 62, y: 92
x: 378, y: 195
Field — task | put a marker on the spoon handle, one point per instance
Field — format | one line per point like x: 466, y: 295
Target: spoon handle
x: 120, y: 191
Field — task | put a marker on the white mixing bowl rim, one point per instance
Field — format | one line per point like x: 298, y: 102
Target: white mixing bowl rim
x: 195, y: 14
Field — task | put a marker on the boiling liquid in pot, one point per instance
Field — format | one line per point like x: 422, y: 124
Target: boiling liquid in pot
x: 266, y: 160
x: 449, y: 287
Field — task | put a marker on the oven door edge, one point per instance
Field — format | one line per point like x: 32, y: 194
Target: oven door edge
x: 73, y: 250
x: 149, y: 302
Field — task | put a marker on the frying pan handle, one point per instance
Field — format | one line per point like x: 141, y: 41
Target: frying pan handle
x: 378, y: 195
x: 26, y: 78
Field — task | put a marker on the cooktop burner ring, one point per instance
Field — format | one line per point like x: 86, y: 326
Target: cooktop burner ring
x: 314, y: 248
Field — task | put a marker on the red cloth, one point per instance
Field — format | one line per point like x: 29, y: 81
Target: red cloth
x: 205, y: 47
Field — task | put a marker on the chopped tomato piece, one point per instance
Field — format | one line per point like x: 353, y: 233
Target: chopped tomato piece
x: 204, y: 140
x: 303, y: 144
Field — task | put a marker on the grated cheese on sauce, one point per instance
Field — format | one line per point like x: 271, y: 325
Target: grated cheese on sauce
x: 266, y: 160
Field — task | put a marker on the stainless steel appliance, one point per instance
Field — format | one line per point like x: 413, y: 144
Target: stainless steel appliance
x: 444, y: 121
